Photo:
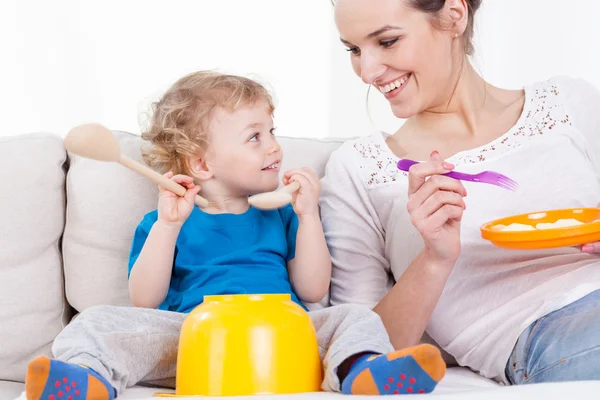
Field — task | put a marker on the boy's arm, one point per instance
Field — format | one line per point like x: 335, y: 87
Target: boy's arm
x: 151, y: 274
x: 310, y: 269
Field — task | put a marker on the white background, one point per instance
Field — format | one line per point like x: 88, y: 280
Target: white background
x: 66, y: 62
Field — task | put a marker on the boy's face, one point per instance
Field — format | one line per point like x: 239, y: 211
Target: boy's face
x: 244, y: 156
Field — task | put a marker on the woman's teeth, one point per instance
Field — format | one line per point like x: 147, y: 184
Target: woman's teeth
x: 396, y: 84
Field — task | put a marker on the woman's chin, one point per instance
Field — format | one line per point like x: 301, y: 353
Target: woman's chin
x: 404, y: 110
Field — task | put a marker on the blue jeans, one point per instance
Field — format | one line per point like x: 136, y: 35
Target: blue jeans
x: 561, y: 346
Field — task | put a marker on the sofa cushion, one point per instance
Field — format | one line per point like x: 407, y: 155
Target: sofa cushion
x: 32, y: 305
x: 106, y: 201
x: 311, y: 153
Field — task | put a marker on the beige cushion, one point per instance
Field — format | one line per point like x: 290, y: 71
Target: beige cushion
x: 106, y: 201
x: 311, y: 153
x: 32, y: 197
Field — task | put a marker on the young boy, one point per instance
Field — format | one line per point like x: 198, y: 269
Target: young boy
x: 214, y: 132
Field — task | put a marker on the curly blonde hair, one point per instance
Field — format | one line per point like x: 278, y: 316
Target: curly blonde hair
x: 178, y: 129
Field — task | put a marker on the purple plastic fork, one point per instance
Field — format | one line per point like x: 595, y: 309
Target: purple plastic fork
x: 493, y: 178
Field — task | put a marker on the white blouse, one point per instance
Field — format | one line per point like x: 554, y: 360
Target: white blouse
x: 492, y: 294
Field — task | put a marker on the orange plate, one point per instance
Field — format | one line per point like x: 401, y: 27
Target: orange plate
x: 588, y: 232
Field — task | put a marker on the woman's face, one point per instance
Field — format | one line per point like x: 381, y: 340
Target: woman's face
x: 400, y: 52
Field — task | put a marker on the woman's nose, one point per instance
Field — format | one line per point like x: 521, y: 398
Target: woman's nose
x: 371, y: 68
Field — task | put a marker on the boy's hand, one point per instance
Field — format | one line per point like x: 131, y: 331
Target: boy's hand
x: 306, y: 199
x: 173, y: 209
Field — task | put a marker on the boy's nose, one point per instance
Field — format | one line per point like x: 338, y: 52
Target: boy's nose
x: 274, y: 147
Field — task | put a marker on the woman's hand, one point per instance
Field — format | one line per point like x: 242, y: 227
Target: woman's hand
x: 593, y: 248
x: 436, y: 207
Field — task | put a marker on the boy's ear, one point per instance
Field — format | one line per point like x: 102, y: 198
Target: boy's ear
x: 200, y: 168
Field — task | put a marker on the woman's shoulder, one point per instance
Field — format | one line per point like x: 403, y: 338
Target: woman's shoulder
x: 366, y: 159
x: 354, y: 152
x: 570, y: 81
x: 570, y: 101
x: 563, y: 87
x: 558, y: 99
x: 347, y: 162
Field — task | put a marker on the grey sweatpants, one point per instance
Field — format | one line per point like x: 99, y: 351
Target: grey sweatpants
x: 129, y: 345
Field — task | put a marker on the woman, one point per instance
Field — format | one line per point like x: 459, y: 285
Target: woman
x: 411, y: 248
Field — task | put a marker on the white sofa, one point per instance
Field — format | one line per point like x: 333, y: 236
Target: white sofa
x: 66, y: 225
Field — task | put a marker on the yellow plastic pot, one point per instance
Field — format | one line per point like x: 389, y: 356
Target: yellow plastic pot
x: 247, y: 345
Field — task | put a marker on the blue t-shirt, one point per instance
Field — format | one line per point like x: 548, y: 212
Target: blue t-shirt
x: 227, y: 254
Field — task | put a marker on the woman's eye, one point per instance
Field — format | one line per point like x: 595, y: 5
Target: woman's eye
x: 388, y: 43
x: 354, y: 50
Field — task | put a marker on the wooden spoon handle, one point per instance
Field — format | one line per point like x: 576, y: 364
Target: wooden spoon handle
x: 291, y: 188
x: 159, y: 179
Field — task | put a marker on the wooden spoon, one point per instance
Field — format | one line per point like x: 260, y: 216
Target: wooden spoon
x: 276, y: 199
x: 98, y: 143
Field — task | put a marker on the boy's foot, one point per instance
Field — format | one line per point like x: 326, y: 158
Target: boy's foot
x: 57, y: 380
x: 409, y: 371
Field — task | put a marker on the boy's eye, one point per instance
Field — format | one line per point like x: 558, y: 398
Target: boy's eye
x: 272, y: 131
x: 254, y: 138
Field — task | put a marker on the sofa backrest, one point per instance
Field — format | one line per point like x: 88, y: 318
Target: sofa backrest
x: 33, y: 309
x: 104, y: 203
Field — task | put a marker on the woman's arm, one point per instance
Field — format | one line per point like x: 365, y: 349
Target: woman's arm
x: 582, y: 105
x: 405, y: 310
x: 356, y: 242
x: 355, y: 236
